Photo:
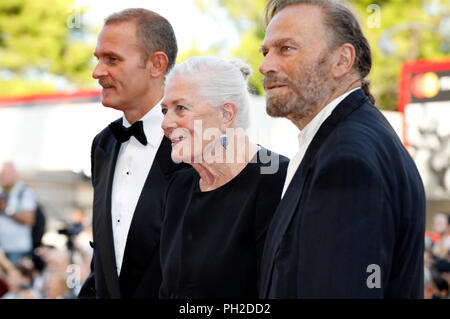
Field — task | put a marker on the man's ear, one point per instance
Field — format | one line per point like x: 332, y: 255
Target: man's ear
x: 158, y: 62
x: 344, y: 60
x: 229, y: 111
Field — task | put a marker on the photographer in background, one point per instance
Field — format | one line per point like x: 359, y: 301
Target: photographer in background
x: 17, y: 215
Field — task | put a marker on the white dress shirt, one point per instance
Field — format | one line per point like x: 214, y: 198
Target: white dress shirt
x: 132, y: 168
x: 307, y: 134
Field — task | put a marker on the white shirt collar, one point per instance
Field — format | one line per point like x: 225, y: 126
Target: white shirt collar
x: 152, y: 124
x: 306, y: 136
x: 308, y: 132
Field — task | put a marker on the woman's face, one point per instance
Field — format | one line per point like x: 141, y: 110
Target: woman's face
x: 190, y: 122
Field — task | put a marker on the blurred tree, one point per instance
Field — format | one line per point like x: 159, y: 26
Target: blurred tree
x: 247, y: 16
x: 42, y: 43
x: 193, y: 50
x: 420, y: 36
x: 405, y: 32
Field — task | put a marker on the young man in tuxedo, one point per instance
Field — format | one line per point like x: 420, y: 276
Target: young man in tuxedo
x: 131, y: 157
x: 352, y: 216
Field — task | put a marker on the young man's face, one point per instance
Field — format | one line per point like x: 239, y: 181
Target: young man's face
x: 121, y: 70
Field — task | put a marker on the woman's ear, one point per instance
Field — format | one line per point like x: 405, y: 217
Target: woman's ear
x: 228, y: 111
x: 158, y: 62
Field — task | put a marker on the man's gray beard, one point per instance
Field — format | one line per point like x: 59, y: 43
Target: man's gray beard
x: 304, y: 99
x: 281, y: 106
x: 296, y: 106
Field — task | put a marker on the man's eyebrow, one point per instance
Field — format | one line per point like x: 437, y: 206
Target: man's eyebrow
x: 278, y: 43
x: 283, y: 41
x: 106, y: 53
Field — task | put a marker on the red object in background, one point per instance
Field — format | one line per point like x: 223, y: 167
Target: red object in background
x: 416, y: 85
x: 435, y: 237
x: 425, y: 85
x: 419, y: 82
x: 52, y: 97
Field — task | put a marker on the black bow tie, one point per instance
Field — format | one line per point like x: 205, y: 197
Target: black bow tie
x: 123, y: 134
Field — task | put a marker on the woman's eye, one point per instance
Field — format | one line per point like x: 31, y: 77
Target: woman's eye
x: 164, y: 111
x: 180, y: 108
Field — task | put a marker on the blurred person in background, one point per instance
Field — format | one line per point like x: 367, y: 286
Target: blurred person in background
x: 57, y: 259
x: 5, y: 265
x: 435, y: 287
x: 19, y: 282
x: 428, y: 286
x: 428, y: 261
x: 442, y: 268
x: 18, y: 279
x: 441, y: 226
x: 442, y: 288
x: 56, y: 273
x: 56, y: 286
x: 130, y: 159
x: 17, y: 215
x: 82, y: 251
x: 38, y: 271
x: 78, y: 235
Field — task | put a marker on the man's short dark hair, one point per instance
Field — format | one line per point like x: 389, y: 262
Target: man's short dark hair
x: 344, y: 28
x: 153, y: 32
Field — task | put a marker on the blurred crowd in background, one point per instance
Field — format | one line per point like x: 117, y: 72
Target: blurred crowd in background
x: 437, y: 258
x: 32, y: 268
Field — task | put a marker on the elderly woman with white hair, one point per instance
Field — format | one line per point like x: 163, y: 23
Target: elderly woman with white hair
x: 218, y: 211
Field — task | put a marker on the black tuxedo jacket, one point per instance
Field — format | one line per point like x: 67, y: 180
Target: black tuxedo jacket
x: 140, y: 275
x: 351, y: 223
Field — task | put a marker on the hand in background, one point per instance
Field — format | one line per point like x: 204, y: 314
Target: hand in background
x: 2, y: 205
x: 5, y: 263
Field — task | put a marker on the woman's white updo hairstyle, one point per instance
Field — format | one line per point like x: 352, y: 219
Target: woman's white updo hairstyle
x: 218, y: 81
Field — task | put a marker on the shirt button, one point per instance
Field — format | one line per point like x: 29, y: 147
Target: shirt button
x: 128, y: 172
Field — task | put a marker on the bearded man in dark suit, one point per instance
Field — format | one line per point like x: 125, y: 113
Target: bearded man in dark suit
x: 352, y: 216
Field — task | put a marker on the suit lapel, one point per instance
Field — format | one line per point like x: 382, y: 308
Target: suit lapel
x: 106, y: 159
x: 280, y: 222
x: 288, y: 205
